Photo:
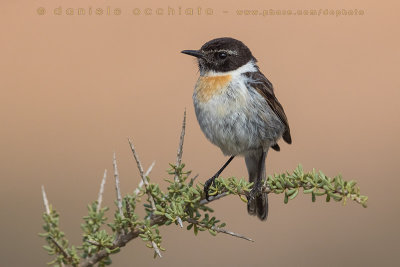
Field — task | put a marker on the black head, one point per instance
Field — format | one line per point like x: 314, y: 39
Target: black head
x: 221, y: 55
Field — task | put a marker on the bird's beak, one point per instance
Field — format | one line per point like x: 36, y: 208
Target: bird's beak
x: 195, y: 53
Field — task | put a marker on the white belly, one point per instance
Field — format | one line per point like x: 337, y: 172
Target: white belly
x: 237, y: 119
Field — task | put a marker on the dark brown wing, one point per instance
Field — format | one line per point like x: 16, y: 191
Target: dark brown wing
x: 276, y: 147
x: 258, y: 81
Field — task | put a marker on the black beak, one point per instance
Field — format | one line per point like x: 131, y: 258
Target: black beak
x: 195, y: 53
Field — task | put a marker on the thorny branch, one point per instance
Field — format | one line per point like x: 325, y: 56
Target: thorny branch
x: 314, y: 183
x: 45, y: 201
x: 117, y: 188
x: 120, y: 242
x: 220, y: 230
x: 101, y: 191
x: 146, y: 184
x: 179, y: 158
x: 144, y: 179
x: 65, y: 253
x: 137, y: 190
x: 180, y: 147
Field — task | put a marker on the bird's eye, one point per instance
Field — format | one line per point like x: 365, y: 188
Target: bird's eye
x: 221, y: 55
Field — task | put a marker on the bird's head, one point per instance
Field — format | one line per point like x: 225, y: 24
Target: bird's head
x: 221, y: 55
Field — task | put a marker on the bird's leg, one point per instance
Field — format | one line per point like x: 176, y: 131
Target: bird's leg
x: 210, y: 181
x: 257, y: 184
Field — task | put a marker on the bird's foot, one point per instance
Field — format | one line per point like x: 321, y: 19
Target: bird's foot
x: 207, y: 185
x: 254, y: 192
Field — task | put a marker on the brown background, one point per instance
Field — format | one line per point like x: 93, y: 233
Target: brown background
x: 73, y: 88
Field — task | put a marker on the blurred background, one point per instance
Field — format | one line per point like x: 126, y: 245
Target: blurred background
x: 74, y: 87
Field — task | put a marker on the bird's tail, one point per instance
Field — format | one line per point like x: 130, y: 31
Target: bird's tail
x: 258, y: 206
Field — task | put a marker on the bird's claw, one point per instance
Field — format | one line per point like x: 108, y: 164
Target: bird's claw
x: 253, y: 193
x: 207, y: 185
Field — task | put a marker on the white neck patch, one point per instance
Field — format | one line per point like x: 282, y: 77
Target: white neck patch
x: 248, y: 67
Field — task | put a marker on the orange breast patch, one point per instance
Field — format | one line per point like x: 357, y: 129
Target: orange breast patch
x: 209, y: 86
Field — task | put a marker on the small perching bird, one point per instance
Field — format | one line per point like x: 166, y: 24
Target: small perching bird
x: 237, y: 110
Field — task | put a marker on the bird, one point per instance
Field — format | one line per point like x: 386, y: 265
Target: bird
x: 237, y: 110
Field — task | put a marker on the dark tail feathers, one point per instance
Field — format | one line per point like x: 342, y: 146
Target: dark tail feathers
x: 259, y: 205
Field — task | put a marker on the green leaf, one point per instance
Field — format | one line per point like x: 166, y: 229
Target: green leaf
x: 328, y: 198
x: 242, y: 198
x: 212, y: 232
x: 278, y: 184
x: 336, y: 197
x: 308, y: 191
x: 319, y: 193
x: 291, y: 191
x: 294, y: 194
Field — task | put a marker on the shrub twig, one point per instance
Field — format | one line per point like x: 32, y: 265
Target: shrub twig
x: 101, y: 191
x: 183, y: 203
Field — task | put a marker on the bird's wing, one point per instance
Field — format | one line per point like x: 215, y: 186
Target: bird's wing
x: 258, y: 81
